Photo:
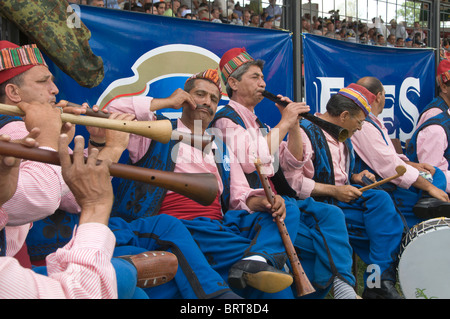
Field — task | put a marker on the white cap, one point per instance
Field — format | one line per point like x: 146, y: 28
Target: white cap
x: 187, y: 11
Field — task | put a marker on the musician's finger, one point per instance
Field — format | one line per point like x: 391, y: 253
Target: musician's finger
x: 284, y: 98
x: 66, y: 127
x: 190, y: 102
x: 64, y: 157
x: 33, y: 133
x: 62, y: 103
x: 92, y: 157
x: 78, y: 150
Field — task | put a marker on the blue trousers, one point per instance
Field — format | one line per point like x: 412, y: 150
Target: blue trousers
x: 322, y: 243
x: 405, y: 199
x: 375, y: 230
x: 239, y: 235
x: 195, y: 279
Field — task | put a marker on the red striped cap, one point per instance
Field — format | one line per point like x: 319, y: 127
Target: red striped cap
x: 232, y: 60
x: 15, y: 59
x: 360, y: 95
x: 443, y: 70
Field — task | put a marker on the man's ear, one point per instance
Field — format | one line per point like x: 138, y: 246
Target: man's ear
x: 12, y: 93
x: 232, y: 82
x: 344, y: 116
x: 378, y: 97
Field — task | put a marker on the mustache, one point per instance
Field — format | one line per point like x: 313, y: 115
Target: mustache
x: 205, y: 108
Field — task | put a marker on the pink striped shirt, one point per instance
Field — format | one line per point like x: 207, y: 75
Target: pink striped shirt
x: 382, y: 157
x: 431, y: 149
x: 250, y: 143
x: 41, y: 190
x: 189, y: 159
x: 82, y: 269
x: 428, y: 114
x: 340, y: 161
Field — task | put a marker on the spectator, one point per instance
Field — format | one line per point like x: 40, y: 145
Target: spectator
x: 96, y: 3
x: 379, y: 26
x: 234, y: 19
x: 408, y: 43
x: 275, y: 11
x: 246, y: 17
x: 306, y: 26
x: 268, y: 24
x: 363, y: 39
x: 330, y: 30
x: 254, y: 20
x: 172, y: 8
x: 372, y: 36
x: 380, y: 40
x: 203, y: 12
x: 391, y: 41
x: 160, y: 6
x: 398, y: 30
x: 400, y: 43
x: 418, y: 30
x: 215, y: 15
x: 187, y: 14
x: 238, y: 10
x: 181, y: 9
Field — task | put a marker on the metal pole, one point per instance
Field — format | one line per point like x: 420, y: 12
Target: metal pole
x: 435, y: 34
x: 296, y: 14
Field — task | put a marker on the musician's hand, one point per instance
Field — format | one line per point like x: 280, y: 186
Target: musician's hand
x: 289, y: 114
x: 424, y: 167
x: 89, y: 182
x: 357, y: 178
x: 95, y: 108
x: 116, y: 141
x: 438, y: 193
x: 279, y: 208
x: 45, y: 117
x: 178, y: 99
x: 346, y: 193
x: 9, y: 166
x: 72, y: 109
x: 261, y: 204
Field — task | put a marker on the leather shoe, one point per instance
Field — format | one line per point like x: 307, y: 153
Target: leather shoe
x: 427, y: 208
x: 259, y: 275
x: 386, y: 291
x: 154, y: 268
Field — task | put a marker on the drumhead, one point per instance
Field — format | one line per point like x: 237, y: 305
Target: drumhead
x: 424, y: 262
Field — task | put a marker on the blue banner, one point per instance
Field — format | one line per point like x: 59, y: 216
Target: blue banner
x: 408, y: 77
x: 151, y: 55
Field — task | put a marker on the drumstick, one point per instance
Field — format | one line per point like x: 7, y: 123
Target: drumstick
x: 400, y: 171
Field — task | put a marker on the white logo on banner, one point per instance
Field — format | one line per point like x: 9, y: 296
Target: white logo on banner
x: 325, y: 87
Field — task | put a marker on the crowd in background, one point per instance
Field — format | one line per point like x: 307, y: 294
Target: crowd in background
x: 269, y: 16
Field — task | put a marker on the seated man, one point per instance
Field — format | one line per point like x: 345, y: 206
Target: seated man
x: 236, y: 233
x: 441, y: 102
x: 375, y: 152
x: 374, y: 226
x: 430, y: 144
x: 322, y: 238
x: 42, y: 191
x: 86, y: 259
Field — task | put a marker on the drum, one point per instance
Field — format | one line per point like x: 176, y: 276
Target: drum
x: 424, y: 260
